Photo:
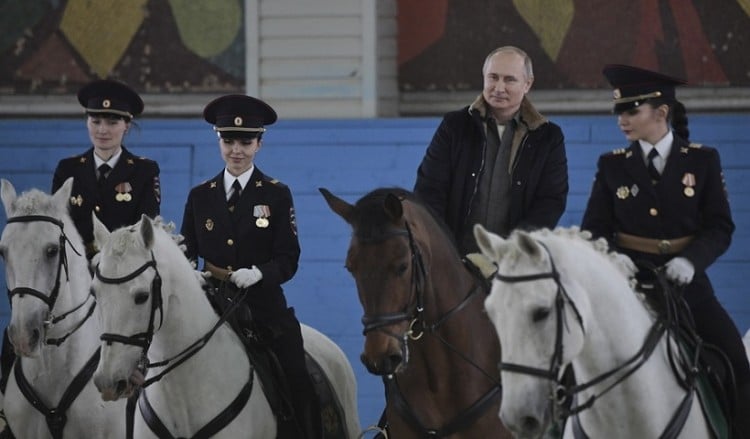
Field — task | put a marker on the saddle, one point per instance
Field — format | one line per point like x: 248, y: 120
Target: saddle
x: 702, y: 365
x: 256, y: 340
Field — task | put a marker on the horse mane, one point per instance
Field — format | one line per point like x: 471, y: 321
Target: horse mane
x: 372, y: 222
x: 128, y: 237
x: 36, y: 202
x: 599, y: 245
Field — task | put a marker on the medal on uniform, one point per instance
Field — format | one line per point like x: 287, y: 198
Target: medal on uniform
x: 123, y: 192
x: 261, y: 212
x: 209, y: 224
x: 689, y: 181
x: 623, y: 192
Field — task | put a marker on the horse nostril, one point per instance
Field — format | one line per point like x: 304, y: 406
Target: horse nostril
x: 394, y: 360
x: 34, y: 336
x: 530, y: 423
x: 121, y: 386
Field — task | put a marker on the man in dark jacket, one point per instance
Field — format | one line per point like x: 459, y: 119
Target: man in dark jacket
x: 497, y: 162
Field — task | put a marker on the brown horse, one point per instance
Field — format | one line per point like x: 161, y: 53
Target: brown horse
x: 426, y: 332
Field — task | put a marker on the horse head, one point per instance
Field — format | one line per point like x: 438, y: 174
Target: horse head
x: 533, y: 299
x: 127, y: 285
x: 387, y: 257
x: 46, y: 272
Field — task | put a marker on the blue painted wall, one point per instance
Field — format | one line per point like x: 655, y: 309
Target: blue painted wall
x: 350, y: 158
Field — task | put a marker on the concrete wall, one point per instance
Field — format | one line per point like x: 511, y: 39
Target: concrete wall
x: 350, y: 158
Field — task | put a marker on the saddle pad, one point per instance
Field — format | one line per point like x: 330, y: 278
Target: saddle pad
x: 331, y: 412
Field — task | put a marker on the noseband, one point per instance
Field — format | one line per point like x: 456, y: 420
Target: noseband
x: 62, y: 264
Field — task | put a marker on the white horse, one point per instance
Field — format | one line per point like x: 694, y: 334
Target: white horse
x: 53, y: 325
x: 152, y: 302
x: 559, y: 298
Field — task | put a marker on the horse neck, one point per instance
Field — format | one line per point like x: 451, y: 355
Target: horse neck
x: 617, y: 325
x: 188, y: 315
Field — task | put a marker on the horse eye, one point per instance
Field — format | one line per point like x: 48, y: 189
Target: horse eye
x: 141, y: 298
x: 539, y: 314
x: 401, y: 269
x: 53, y: 250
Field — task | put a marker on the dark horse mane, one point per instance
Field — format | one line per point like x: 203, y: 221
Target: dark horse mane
x: 372, y: 221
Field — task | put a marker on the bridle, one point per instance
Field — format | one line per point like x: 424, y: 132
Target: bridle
x: 418, y: 326
x: 144, y: 339
x: 564, y: 391
x: 62, y: 265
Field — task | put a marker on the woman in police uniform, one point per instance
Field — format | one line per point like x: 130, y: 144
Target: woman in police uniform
x: 108, y: 179
x: 242, y: 224
x: 663, y: 200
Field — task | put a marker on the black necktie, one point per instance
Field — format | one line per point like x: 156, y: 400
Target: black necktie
x: 653, y: 172
x: 103, y: 172
x: 235, y: 195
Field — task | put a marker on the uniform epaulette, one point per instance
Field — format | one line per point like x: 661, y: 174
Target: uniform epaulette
x: 275, y: 181
x: 618, y: 151
x: 695, y: 145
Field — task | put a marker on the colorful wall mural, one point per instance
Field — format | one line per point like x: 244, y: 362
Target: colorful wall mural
x: 443, y: 43
x: 158, y: 46
x: 174, y: 46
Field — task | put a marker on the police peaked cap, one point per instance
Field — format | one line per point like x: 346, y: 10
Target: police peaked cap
x: 239, y: 116
x: 633, y: 85
x: 106, y: 96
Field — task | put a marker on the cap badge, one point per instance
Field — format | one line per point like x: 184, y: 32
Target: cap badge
x: 617, y: 94
x: 106, y: 103
x: 209, y: 224
x: 623, y: 192
x: 238, y: 121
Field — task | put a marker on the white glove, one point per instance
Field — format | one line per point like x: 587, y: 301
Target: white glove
x: 245, y: 277
x: 202, y: 276
x: 680, y: 270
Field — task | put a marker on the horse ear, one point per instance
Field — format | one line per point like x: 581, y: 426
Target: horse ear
x: 393, y: 207
x: 8, y: 195
x: 101, y: 233
x: 529, y: 245
x: 338, y: 206
x: 62, y: 195
x: 489, y: 243
x: 147, y: 231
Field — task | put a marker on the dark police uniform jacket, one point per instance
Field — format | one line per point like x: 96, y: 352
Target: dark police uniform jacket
x: 690, y: 199
x: 131, y: 189
x: 261, y: 231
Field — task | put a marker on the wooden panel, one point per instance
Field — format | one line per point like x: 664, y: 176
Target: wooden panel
x: 328, y: 8
x: 311, y: 68
x: 311, y: 46
x: 296, y: 26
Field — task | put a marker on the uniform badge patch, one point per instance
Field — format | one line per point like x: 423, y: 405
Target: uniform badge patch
x: 293, y: 220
